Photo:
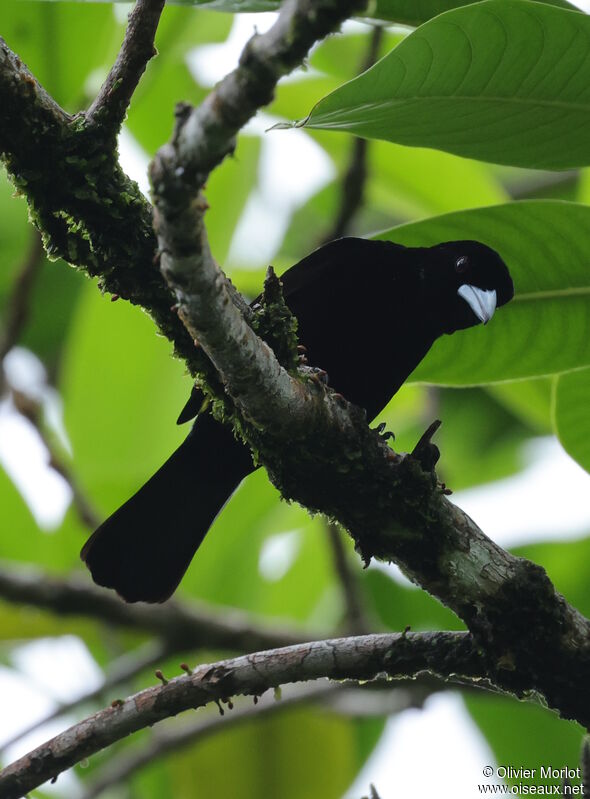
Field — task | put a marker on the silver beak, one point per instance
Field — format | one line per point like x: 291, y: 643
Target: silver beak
x: 481, y: 302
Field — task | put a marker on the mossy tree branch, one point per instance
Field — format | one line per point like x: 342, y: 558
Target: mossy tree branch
x: 87, y: 210
x: 108, y: 110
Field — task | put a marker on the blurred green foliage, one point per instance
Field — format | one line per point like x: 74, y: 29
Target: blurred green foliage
x: 527, y: 374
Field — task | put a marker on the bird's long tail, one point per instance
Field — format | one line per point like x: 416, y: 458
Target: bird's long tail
x: 145, y: 547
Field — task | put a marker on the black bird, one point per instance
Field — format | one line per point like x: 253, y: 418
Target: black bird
x: 368, y: 312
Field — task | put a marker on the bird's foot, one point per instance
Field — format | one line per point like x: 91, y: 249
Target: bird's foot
x: 384, y: 434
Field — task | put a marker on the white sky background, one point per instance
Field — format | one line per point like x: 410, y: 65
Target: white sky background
x: 434, y: 752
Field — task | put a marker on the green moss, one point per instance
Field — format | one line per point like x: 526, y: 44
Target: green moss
x: 275, y: 324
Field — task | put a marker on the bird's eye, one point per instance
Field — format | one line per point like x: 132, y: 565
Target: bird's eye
x: 462, y: 264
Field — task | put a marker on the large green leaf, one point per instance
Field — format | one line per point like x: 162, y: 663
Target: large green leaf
x: 415, y: 12
x: 501, y: 81
x: 528, y: 400
x: 571, y: 417
x: 544, y: 329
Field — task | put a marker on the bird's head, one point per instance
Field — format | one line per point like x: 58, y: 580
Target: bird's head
x: 467, y: 281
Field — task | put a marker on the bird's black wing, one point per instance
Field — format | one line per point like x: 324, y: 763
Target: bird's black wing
x: 325, y: 262
x: 318, y: 271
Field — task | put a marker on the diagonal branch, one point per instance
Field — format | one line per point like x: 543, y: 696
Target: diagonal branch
x: 18, y: 303
x: 32, y: 409
x: 88, y: 212
x: 319, y: 451
x: 110, y: 106
x: 356, y: 617
x: 26, y: 106
x: 354, y: 181
x: 17, y: 313
x: 361, y: 658
x: 206, y: 134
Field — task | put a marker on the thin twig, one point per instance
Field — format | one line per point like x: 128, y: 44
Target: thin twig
x: 32, y: 409
x: 18, y: 312
x: 110, y: 106
x: 355, y: 178
x: 361, y: 658
x: 18, y: 303
x: 184, y: 626
x: 353, y: 189
x: 356, y: 616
